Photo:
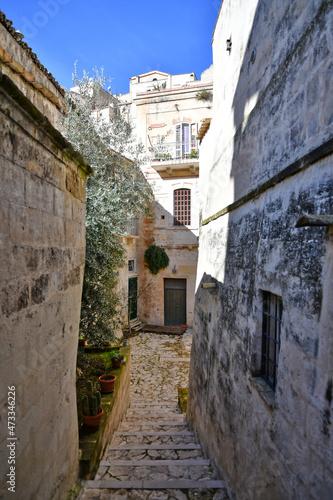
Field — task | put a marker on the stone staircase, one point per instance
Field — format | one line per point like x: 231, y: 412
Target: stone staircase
x: 154, y: 455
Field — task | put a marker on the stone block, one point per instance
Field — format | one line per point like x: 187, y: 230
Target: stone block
x: 79, y: 210
x: 74, y: 184
x: 4, y: 226
x: 55, y: 173
x: 53, y: 230
x: 39, y: 194
x: 40, y: 289
x: 25, y: 225
x: 26, y: 154
x: 62, y: 205
x: 53, y: 258
x: 14, y: 297
x: 12, y: 182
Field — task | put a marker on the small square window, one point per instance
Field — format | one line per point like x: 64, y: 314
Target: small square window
x: 131, y: 266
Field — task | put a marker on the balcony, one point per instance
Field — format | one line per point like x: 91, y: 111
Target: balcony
x: 172, y: 160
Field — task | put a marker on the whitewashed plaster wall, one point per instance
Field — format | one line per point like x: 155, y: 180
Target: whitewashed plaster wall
x: 265, y: 161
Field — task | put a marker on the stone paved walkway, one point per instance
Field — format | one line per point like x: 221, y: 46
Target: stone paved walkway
x: 154, y: 455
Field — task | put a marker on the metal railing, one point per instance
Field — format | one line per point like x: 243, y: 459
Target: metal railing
x: 169, y: 151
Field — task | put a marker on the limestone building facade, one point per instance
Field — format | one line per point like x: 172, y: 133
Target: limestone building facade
x: 261, y: 378
x: 42, y: 241
x: 167, y: 112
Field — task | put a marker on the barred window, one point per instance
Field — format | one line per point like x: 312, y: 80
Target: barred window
x: 182, y: 207
x: 271, y: 332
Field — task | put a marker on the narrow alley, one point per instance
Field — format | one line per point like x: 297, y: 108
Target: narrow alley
x: 154, y: 454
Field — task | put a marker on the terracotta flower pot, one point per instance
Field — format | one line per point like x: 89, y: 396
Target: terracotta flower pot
x: 107, y: 382
x: 116, y: 363
x: 92, y: 422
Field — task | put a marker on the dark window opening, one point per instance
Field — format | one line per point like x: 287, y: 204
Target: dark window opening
x: 271, y: 333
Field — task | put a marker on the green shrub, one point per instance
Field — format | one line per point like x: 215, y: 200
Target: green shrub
x: 156, y: 259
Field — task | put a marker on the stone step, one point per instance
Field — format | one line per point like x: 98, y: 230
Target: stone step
x: 158, y: 405
x: 158, y: 440
x: 147, y: 402
x: 155, y: 463
x: 178, y: 484
x: 144, y: 415
x: 154, y: 494
x: 169, y: 446
x: 152, y: 433
x: 156, y: 418
x: 157, y: 472
x: 154, y: 410
x: 147, y: 429
x: 155, y: 423
x: 166, y: 454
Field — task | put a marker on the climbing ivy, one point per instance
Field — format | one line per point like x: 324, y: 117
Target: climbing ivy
x: 156, y: 259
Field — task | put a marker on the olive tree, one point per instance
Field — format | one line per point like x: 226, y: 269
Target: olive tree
x: 116, y: 192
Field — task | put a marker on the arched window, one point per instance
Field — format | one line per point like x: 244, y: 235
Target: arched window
x: 182, y: 207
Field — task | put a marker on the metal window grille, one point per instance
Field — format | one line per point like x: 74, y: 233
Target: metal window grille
x: 271, y: 333
x: 182, y: 207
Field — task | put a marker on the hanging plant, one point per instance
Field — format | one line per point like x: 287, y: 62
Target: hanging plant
x: 156, y: 259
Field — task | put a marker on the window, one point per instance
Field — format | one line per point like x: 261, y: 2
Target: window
x: 131, y: 266
x: 182, y: 207
x: 133, y: 227
x: 186, y: 142
x: 271, y: 331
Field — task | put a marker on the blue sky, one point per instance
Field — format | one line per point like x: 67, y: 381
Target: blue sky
x: 126, y: 37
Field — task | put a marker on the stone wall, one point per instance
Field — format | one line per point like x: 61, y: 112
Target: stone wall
x: 267, y: 160
x: 42, y: 241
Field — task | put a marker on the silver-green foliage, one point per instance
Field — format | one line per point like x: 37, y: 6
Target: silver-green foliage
x: 116, y: 192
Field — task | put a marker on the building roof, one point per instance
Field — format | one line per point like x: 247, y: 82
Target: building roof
x: 18, y: 38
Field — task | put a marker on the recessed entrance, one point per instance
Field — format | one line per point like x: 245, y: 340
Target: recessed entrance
x: 174, y: 302
x: 133, y: 298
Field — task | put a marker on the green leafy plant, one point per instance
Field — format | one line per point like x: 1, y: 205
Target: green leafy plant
x: 116, y: 192
x: 156, y: 259
x: 116, y: 356
x: 204, y: 95
x: 91, y: 401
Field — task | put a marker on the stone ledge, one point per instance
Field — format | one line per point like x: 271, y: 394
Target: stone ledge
x: 156, y: 485
x: 92, y: 444
x: 265, y: 391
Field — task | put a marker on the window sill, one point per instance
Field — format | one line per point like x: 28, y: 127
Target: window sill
x: 265, y: 391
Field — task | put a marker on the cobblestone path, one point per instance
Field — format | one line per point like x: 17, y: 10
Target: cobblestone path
x: 154, y: 455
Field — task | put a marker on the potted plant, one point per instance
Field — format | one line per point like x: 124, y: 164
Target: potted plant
x: 91, y: 408
x: 117, y: 359
x: 107, y: 382
x: 82, y: 341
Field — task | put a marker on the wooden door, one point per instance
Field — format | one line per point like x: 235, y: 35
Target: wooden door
x: 133, y: 297
x: 174, y: 302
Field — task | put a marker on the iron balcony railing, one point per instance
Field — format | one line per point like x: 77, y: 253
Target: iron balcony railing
x: 170, y: 151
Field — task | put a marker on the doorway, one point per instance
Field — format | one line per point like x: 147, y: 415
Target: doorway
x: 174, y: 302
x: 132, y: 298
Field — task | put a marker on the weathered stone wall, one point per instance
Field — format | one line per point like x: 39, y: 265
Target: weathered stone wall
x: 266, y: 160
x: 42, y: 242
